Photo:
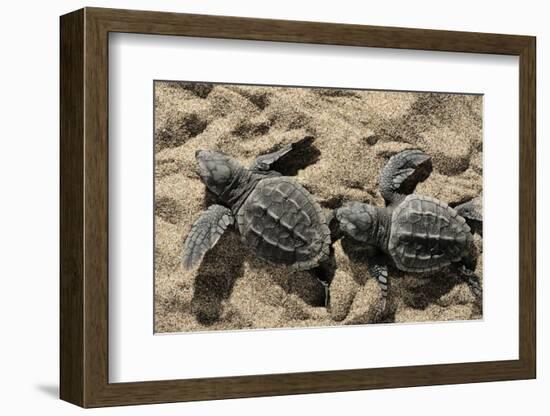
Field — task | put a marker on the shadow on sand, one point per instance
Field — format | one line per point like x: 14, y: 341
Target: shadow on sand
x: 217, y: 274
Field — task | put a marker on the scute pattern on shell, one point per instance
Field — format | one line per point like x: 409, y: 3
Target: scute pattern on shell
x: 282, y: 223
x: 427, y: 234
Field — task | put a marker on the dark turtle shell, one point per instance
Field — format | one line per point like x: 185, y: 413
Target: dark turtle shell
x: 426, y: 235
x: 282, y: 223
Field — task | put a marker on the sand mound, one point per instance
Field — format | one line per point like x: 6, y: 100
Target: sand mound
x: 355, y: 133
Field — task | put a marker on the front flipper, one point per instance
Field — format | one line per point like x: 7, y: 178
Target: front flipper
x: 205, y: 233
x: 402, y: 173
x: 379, y: 271
x: 266, y: 162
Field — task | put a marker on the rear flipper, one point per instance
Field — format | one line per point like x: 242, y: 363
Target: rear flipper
x: 467, y: 275
x: 380, y: 272
x: 326, y: 287
x: 402, y: 173
x: 324, y: 273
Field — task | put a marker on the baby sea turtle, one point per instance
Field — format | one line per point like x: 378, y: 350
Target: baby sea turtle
x: 418, y: 233
x: 276, y: 216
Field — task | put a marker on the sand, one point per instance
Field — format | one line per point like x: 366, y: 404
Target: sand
x: 355, y: 133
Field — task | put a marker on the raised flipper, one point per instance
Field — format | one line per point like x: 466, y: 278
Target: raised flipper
x: 205, y: 233
x: 379, y: 271
x: 266, y: 162
x: 402, y: 173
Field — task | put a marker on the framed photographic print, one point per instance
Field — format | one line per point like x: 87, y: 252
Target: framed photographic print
x: 255, y: 207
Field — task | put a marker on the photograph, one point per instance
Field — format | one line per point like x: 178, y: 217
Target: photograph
x: 300, y: 206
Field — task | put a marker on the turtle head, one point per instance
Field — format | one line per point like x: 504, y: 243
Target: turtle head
x: 217, y: 170
x: 360, y: 221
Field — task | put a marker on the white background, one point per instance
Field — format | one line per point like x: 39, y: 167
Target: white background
x: 29, y: 227
x: 136, y: 60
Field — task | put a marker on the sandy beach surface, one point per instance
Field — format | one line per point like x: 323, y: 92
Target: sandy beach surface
x: 355, y: 134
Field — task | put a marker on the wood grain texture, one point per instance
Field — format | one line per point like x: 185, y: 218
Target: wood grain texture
x: 71, y: 213
x: 84, y: 207
x: 162, y: 23
x: 528, y: 209
x: 96, y: 208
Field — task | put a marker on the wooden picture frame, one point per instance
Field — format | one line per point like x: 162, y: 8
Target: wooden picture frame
x: 84, y: 207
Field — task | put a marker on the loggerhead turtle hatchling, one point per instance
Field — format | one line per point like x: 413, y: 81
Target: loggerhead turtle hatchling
x: 418, y: 233
x: 276, y: 216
